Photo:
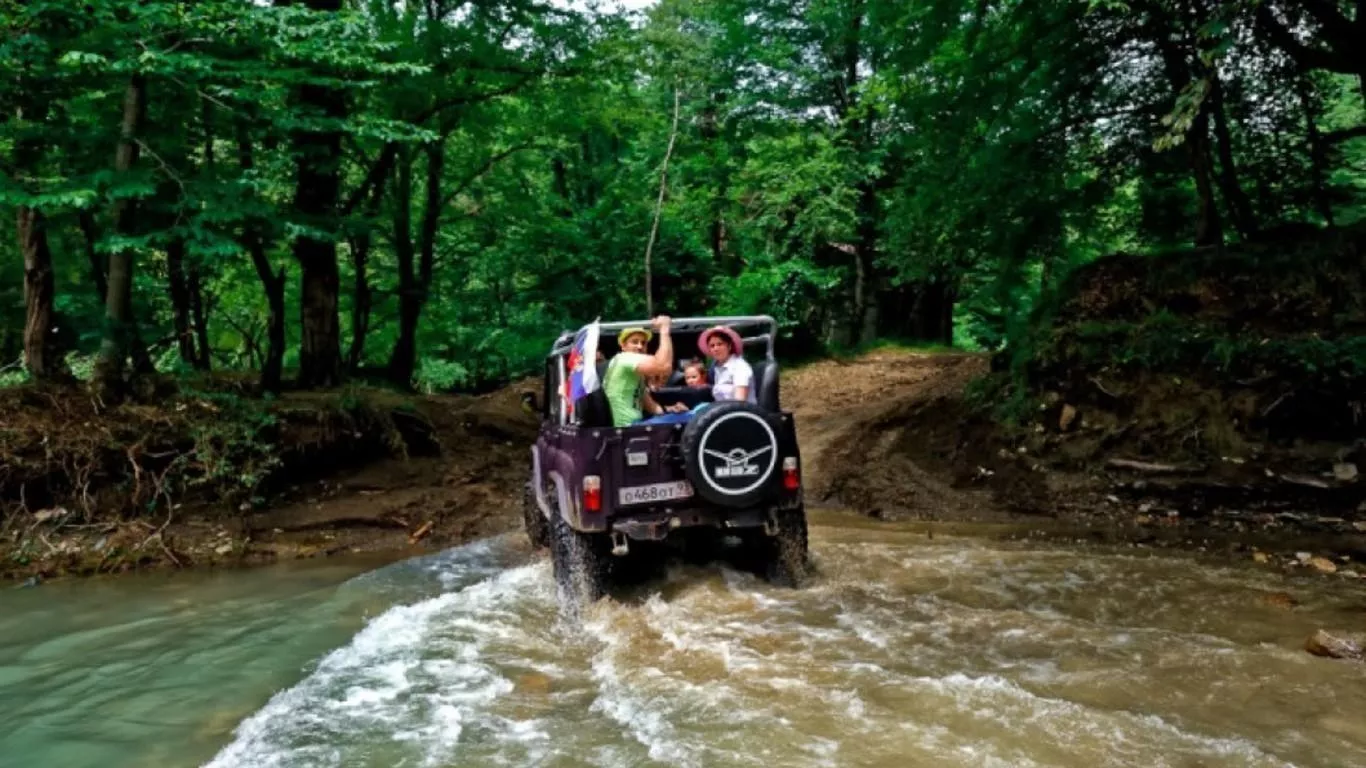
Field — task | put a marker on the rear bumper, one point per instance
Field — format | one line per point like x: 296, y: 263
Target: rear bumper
x: 655, y: 524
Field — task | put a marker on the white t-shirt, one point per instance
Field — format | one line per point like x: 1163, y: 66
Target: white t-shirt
x: 735, y: 372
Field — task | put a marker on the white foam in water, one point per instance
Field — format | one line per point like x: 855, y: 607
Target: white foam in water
x: 1126, y: 735
x: 381, y: 692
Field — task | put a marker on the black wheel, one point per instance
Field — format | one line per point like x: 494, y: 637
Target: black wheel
x: 537, y: 529
x: 580, y: 560
x: 730, y: 454
x: 783, y: 558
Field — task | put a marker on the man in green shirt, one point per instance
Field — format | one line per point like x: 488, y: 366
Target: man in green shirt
x: 624, y: 382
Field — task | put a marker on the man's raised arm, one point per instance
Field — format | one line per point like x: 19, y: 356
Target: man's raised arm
x: 662, y: 362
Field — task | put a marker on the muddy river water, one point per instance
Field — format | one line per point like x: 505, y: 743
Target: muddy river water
x: 961, y: 649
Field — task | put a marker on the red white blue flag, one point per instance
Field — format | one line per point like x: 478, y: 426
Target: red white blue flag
x: 582, y: 365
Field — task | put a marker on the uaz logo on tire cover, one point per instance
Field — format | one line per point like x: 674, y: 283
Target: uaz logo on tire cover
x: 737, y: 462
x: 750, y: 464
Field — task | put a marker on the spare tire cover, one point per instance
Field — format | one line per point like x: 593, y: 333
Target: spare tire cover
x: 730, y: 452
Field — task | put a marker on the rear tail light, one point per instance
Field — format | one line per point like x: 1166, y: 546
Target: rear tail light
x: 592, y: 493
x: 791, y: 481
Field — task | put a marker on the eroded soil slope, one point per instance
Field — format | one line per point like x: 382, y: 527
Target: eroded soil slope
x: 89, y: 490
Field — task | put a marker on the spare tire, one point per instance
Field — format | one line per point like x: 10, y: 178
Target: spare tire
x: 730, y: 453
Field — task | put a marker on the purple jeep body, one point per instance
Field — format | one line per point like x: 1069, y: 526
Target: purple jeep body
x: 734, y: 467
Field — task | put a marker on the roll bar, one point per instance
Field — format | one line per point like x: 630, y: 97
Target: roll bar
x: 766, y: 323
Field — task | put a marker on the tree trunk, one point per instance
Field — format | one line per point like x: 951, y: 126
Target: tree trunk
x: 863, y: 319
x: 933, y: 312
x: 1208, y: 227
x: 316, y: 196
x: 717, y: 235
x: 360, y: 301
x: 272, y: 282
x: 42, y: 353
x: 98, y: 269
x: 199, y: 311
x: 867, y: 281
x: 402, y: 360
x: 180, y: 300
x: 120, y: 333
x: 1318, y: 154
x: 1239, y: 205
x: 199, y: 318
x: 413, y: 291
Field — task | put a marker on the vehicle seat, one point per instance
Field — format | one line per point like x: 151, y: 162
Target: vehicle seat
x: 766, y: 381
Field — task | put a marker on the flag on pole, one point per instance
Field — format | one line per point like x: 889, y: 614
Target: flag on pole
x: 582, y: 365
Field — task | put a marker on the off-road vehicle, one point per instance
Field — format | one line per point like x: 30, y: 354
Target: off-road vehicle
x: 599, y: 494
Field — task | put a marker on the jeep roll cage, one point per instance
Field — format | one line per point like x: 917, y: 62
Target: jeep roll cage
x: 754, y: 330
x: 683, y: 325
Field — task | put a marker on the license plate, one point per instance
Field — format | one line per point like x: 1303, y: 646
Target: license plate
x: 645, y: 494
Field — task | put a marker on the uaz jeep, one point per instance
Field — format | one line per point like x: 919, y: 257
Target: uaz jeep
x: 733, y: 470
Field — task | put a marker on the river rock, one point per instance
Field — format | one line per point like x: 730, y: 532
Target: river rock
x: 1330, y: 646
x: 1323, y: 564
x: 1261, y: 557
x: 1068, y: 416
x: 1345, y: 472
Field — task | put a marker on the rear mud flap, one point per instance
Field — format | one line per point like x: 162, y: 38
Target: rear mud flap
x: 771, y: 523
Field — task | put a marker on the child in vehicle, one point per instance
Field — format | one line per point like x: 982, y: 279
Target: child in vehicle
x: 695, y: 374
x: 694, y: 377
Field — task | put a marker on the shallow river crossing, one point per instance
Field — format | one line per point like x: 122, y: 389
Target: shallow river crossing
x: 907, y: 650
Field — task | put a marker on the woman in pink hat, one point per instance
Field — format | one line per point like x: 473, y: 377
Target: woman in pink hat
x: 732, y: 377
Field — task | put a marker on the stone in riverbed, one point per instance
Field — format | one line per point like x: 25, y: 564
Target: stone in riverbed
x: 1067, y: 418
x: 1330, y: 646
x: 1323, y: 564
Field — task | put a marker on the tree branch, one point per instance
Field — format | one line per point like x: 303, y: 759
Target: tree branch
x: 659, y: 208
x: 376, y: 175
x: 485, y: 168
x: 1306, y: 56
x: 385, y: 162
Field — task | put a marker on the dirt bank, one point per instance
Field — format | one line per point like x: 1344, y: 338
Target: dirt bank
x: 899, y: 435
x: 210, y: 479
x: 1201, y: 398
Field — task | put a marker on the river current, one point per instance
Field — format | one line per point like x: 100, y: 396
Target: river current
x: 957, y: 649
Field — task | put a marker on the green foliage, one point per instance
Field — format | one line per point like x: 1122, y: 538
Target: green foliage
x: 234, y: 452
x: 978, y: 152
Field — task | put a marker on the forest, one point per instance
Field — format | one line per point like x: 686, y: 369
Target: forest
x: 312, y: 192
